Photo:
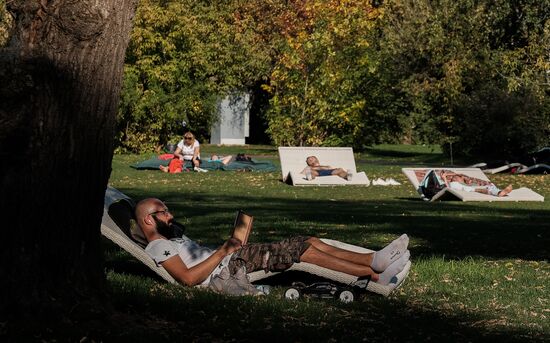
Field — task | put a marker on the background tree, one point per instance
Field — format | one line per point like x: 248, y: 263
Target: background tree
x: 328, y: 72
x: 61, y: 77
x: 316, y: 83
x: 473, y: 72
x: 183, y: 57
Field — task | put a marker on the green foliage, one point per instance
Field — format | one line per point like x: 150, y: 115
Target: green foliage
x: 472, y: 72
x: 183, y: 56
x: 317, y: 76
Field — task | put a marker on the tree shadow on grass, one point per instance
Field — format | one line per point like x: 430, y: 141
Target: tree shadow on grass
x: 203, y: 316
x: 450, y: 229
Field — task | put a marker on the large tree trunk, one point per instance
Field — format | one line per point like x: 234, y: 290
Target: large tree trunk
x: 60, y: 83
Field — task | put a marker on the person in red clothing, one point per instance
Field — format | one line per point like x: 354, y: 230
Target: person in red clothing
x: 188, y: 149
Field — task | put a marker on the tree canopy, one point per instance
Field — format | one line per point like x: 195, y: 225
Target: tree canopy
x: 474, y: 73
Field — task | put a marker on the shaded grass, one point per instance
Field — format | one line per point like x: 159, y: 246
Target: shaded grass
x: 480, y: 270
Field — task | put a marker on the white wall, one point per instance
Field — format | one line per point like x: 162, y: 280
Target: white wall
x: 232, y: 126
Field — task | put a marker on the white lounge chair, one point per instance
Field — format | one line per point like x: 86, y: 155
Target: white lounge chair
x: 293, y: 161
x: 114, y: 233
x: 519, y: 194
x: 540, y: 168
x: 506, y: 167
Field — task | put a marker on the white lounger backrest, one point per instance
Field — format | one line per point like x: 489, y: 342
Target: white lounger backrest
x: 294, y: 158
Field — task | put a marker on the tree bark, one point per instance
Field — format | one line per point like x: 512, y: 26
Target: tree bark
x: 60, y: 82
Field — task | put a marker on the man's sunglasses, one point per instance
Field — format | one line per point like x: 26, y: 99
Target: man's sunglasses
x: 164, y: 212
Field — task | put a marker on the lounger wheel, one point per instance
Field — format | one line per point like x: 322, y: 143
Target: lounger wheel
x: 292, y: 293
x: 346, y: 296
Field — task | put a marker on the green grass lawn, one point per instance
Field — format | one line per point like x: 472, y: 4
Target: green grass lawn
x: 480, y: 270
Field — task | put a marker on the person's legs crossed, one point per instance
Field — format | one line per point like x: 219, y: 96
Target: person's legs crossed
x: 322, y: 259
x: 378, y: 260
x: 358, y: 258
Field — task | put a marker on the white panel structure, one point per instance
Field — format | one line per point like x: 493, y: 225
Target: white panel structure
x: 232, y: 126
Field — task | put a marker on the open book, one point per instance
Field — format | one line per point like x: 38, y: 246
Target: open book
x: 242, y: 227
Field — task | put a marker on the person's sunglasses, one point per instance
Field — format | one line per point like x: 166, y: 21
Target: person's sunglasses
x: 164, y: 212
x: 188, y: 138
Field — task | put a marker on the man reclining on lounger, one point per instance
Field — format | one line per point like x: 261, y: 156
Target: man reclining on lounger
x: 315, y: 169
x: 192, y: 264
x: 463, y: 182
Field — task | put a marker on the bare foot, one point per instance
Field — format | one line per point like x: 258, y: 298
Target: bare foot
x: 164, y: 169
x: 505, y: 191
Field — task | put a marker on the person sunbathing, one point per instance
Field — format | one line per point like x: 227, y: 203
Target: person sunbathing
x: 225, y: 160
x: 315, y: 169
x: 466, y: 183
x: 191, y: 264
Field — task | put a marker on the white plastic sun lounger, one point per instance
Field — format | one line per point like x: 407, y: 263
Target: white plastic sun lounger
x: 520, y: 194
x: 540, y: 168
x: 293, y: 161
x: 110, y: 230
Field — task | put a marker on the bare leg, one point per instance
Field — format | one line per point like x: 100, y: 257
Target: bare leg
x: 378, y: 261
x: 322, y: 259
x: 340, y: 172
x: 505, y: 191
x: 164, y: 169
x: 351, y: 256
x: 482, y: 190
x: 314, y: 173
x: 227, y: 159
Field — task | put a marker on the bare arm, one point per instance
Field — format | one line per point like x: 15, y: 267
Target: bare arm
x: 178, y: 153
x: 482, y: 190
x: 198, y: 273
x: 196, y: 152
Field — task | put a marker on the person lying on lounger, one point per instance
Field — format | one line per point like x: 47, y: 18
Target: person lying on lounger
x: 315, y: 169
x: 192, y: 264
x: 463, y: 182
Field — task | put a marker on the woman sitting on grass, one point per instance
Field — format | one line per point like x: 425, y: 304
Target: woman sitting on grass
x: 188, y: 150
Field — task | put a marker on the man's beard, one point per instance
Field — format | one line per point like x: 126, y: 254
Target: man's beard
x: 163, y: 228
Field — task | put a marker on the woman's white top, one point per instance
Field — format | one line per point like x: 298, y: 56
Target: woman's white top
x: 188, y: 150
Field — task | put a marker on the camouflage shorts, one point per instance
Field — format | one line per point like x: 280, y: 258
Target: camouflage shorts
x: 269, y: 256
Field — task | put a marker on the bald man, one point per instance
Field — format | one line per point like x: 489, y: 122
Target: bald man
x: 192, y: 264
x: 315, y: 169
